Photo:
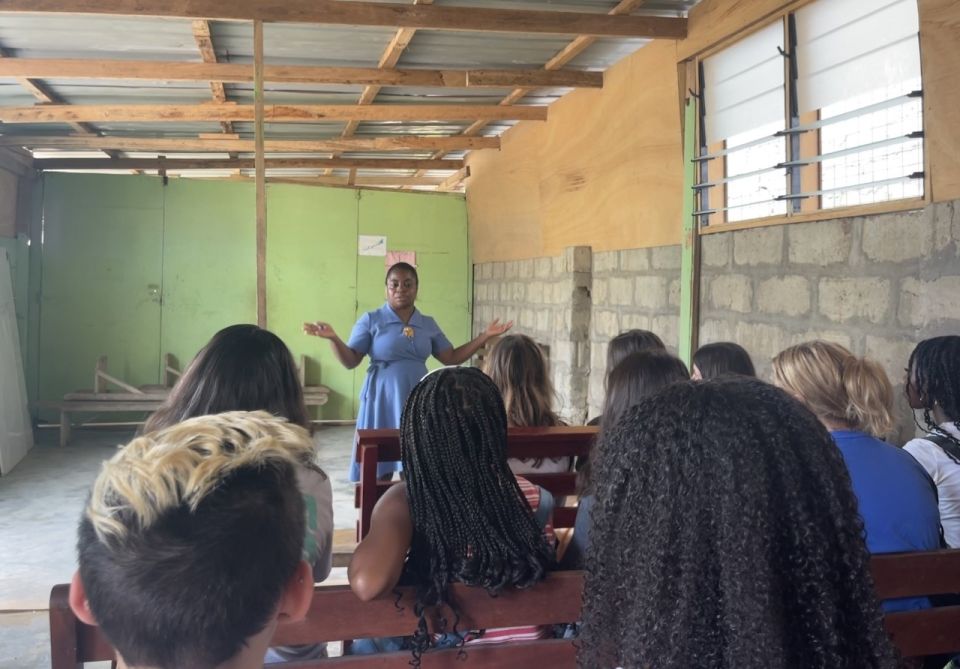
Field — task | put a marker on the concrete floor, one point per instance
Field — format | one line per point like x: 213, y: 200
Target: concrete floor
x: 40, y: 502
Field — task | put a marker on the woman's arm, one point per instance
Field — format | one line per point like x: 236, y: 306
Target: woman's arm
x: 377, y: 562
x: 346, y: 355
x: 459, y: 355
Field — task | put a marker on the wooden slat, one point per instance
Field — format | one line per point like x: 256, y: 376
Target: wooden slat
x: 276, y: 113
x: 454, y: 180
x: 336, y: 12
x: 220, y: 145
x: 173, y: 165
x: 928, y: 632
x: 382, y: 181
x: 914, y: 574
x: 201, y: 34
x: 151, y: 70
x: 260, y: 164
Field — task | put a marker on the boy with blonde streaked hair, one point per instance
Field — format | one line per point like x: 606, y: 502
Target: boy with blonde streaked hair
x: 190, y: 544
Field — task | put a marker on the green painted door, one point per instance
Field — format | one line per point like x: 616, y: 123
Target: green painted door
x: 312, y: 276
x: 101, y: 280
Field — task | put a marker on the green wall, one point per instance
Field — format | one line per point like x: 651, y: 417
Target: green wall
x: 19, y: 257
x: 133, y: 269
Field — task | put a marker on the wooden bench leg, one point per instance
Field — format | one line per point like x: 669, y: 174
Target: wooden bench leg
x: 64, y: 427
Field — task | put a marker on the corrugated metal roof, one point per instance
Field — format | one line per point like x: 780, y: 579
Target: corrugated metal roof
x: 107, y: 37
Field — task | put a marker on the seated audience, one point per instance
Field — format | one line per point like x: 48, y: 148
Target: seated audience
x: 247, y: 368
x: 460, y: 515
x: 637, y: 376
x: 719, y: 358
x: 519, y: 370
x: 726, y: 535
x: 933, y: 386
x: 190, y: 544
x: 624, y: 344
x: 853, y: 399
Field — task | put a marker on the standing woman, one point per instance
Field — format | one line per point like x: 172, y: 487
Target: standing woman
x: 398, y: 339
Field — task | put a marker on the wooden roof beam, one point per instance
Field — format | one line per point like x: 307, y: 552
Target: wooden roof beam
x: 336, y: 12
x: 217, y: 144
x: 174, y: 165
x: 201, y: 35
x: 274, y: 113
x: 133, y: 70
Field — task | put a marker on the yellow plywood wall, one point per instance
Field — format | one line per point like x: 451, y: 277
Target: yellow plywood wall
x: 605, y: 169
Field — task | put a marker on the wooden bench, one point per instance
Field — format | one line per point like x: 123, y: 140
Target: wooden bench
x: 336, y: 614
x: 374, y: 446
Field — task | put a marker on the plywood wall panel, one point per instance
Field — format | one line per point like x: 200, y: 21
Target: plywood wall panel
x: 940, y: 59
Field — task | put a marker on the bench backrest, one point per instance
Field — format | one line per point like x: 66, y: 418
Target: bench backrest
x: 374, y: 446
x: 336, y: 614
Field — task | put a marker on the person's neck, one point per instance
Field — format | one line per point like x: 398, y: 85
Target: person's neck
x: 405, y: 313
x: 250, y: 656
x: 939, y: 417
x: 836, y: 425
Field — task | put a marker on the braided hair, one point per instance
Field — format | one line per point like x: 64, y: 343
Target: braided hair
x: 934, y: 373
x: 471, y: 522
x: 725, y: 534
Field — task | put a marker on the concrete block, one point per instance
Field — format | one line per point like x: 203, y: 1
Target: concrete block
x: 714, y: 330
x: 561, y: 292
x: 788, y: 295
x: 925, y: 302
x: 898, y: 237
x: 526, y: 268
x: 635, y: 260
x: 493, y: 292
x: 578, y: 258
x: 621, y: 290
x: 846, y: 299
x: 758, y: 246
x: 634, y: 321
x: 651, y: 292
x: 606, y: 261
x: 667, y: 327
x: 674, y: 292
x: 715, y: 249
x: 543, y: 320
x: 835, y: 336
x: 731, y: 291
x: 559, y: 266
x: 580, y: 323
x: 561, y: 353
x: 598, y: 357
x: 496, y: 270
x: 562, y: 320
x: 665, y: 257
x: 606, y: 323
x: 761, y: 340
x: 535, y: 293
x: 822, y: 243
x: 528, y: 319
x: 511, y: 269
x: 543, y: 268
x: 893, y: 354
x: 600, y: 294
x: 944, y: 214
x: 481, y: 292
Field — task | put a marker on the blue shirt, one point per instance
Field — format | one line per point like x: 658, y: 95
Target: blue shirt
x: 897, y: 500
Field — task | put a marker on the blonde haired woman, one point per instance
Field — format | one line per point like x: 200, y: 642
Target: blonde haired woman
x: 853, y: 399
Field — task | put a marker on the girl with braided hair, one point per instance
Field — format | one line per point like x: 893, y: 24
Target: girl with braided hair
x: 726, y: 536
x: 460, y: 515
x: 933, y: 385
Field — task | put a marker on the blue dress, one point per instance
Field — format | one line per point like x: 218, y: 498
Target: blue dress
x: 398, y: 360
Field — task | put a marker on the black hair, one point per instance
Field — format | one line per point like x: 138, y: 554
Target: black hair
x: 631, y: 341
x: 725, y: 534
x: 242, y: 368
x: 637, y: 376
x: 934, y: 372
x: 471, y: 522
x: 402, y: 267
x: 723, y: 357
x: 189, y: 590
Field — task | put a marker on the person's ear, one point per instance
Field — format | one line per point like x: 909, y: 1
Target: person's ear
x: 78, y: 601
x: 297, y: 595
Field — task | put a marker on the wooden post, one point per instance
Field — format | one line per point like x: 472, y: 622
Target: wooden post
x: 690, y: 243
x: 260, y: 176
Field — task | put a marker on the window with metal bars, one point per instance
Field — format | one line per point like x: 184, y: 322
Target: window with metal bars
x: 819, y: 110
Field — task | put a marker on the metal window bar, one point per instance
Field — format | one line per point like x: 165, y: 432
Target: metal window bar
x: 736, y: 177
x: 839, y: 189
x: 892, y: 141
x: 793, y: 146
x: 703, y: 196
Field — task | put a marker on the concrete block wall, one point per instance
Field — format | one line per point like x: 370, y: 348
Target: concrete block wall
x: 876, y: 284
x: 547, y: 299
x: 632, y: 289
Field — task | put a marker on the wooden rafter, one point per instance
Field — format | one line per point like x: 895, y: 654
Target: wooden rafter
x: 222, y: 144
x: 454, y: 180
x: 218, y: 73
x: 174, y: 165
x: 337, y: 12
x: 201, y: 34
x: 276, y: 113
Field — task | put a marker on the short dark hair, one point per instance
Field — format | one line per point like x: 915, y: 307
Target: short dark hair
x: 725, y: 533
x: 631, y: 341
x: 190, y: 537
x: 242, y: 368
x: 723, y: 357
x: 402, y: 267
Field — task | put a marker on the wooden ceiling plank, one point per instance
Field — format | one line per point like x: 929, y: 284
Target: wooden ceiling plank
x: 204, y: 40
x: 454, y: 180
x: 212, y: 142
x: 174, y: 165
x: 336, y: 12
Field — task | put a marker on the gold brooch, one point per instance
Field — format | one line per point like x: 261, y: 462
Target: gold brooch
x: 408, y: 332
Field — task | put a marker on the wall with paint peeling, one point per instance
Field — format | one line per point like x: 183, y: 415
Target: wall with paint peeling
x: 132, y: 269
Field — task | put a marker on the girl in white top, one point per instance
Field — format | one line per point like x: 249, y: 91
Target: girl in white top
x: 933, y: 386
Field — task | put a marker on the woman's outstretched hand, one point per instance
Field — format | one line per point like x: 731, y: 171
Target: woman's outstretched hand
x: 496, y: 328
x: 319, y: 329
